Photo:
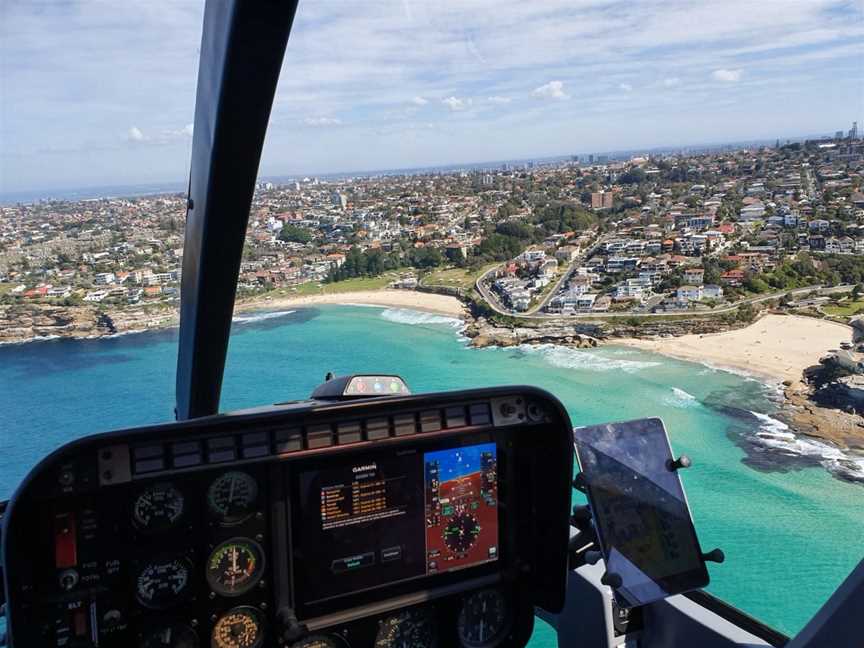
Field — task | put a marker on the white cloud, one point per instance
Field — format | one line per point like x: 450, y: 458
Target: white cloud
x: 135, y: 134
x: 626, y: 87
x: 188, y: 129
x: 419, y: 101
x: 729, y: 76
x: 551, y: 90
x: 322, y: 121
x: 454, y: 103
x: 671, y: 82
x: 499, y: 100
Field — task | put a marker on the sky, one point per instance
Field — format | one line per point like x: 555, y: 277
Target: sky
x: 102, y: 93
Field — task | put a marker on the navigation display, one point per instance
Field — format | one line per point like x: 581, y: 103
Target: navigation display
x: 461, y: 507
x: 642, y: 518
x: 394, y: 516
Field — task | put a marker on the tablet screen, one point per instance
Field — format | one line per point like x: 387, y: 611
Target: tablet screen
x: 640, y: 510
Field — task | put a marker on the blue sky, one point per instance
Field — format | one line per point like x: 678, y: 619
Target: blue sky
x: 100, y: 93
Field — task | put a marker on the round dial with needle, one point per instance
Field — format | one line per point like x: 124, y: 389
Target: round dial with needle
x: 157, y: 508
x: 235, y: 567
x: 163, y: 582
x: 241, y: 627
x: 231, y: 497
x: 484, y: 619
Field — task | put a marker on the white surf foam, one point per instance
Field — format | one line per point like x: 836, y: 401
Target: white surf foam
x: 568, y: 358
x: 260, y: 317
x: 777, y: 436
x: 408, y: 316
x: 681, y: 399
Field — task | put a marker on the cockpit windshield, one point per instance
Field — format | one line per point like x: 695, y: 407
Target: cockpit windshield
x: 649, y: 209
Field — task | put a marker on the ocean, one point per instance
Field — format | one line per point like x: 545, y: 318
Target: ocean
x: 790, y: 530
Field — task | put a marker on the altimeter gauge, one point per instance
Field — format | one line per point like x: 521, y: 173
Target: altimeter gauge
x: 484, y: 620
x: 240, y: 627
x: 235, y: 567
x: 232, y: 496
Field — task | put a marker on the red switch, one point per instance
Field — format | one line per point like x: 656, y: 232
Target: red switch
x: 65, y: 541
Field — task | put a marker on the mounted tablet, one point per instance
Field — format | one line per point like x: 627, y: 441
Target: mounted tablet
x: 640, y: 512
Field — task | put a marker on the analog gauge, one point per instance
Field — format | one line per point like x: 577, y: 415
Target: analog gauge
x: 241, y: 627
x: 175, y: 635
x: 157, y: 508
x: 235, y: 567
x: 162, y: 583
x: 414, y: 628
x: 316, y: 641
x: 484, y: 619
x: 232, y: 496
x: 461, y: 532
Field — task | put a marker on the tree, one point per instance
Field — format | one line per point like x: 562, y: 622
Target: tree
x: 294, y: 234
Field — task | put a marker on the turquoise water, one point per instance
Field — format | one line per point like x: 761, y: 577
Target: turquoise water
x: 791, y: 532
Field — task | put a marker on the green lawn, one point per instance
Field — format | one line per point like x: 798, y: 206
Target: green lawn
x: 844, y: 309
x: 349, y: 285
x: 455, y: 277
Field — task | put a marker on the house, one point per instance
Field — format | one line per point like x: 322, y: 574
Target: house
x: 712, y: 291
x: 686, y: 294
x: 104, y: 278
x: 694, y: 276
x: 733, y: 277
x: 567, y: 253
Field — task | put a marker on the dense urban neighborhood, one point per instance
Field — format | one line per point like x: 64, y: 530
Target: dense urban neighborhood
x: 585, y: 237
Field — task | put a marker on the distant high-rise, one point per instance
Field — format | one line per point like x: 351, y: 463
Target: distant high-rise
x: 853, y: 132
x: 838, y: 135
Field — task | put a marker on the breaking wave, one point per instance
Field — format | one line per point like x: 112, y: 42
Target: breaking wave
x: 260, y: 317
x: 408, y: 316
x: 777, y: 436
x: 680, y: 398
x: 567, y: 358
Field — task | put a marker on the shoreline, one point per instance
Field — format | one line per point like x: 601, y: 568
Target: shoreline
x: 774, y: 349
x: 386, y: 298
x: 86, y: 323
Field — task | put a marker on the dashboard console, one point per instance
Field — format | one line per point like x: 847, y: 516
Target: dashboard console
x: 428, y: 520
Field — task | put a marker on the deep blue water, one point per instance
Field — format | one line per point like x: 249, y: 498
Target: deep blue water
x: 791, y: 532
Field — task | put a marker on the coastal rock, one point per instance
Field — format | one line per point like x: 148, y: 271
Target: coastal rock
x: 484, y: 335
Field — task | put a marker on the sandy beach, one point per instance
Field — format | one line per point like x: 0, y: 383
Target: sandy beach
x: 428, y: 302
x: 775, y: 348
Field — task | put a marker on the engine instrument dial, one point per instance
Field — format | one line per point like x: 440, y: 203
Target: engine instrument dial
x: 163, y: 582
x: 235, y: 567
x: 484, y: 619
x: 241, y: 627
x: 175, y: 635
x: 231, y: 497
x: 157, y: 508
x: 412, y: 628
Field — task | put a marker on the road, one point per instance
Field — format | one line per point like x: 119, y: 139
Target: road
x: 716, y: 311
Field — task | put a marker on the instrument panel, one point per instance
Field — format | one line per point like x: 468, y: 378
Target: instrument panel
x: 431, y: 520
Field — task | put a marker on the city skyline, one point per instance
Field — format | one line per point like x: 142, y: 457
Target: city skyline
x: 410, y: 86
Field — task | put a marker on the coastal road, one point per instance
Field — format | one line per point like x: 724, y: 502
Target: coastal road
x: 716, y: 311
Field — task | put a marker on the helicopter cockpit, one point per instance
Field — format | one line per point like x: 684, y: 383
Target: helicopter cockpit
x: 365, y: 516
